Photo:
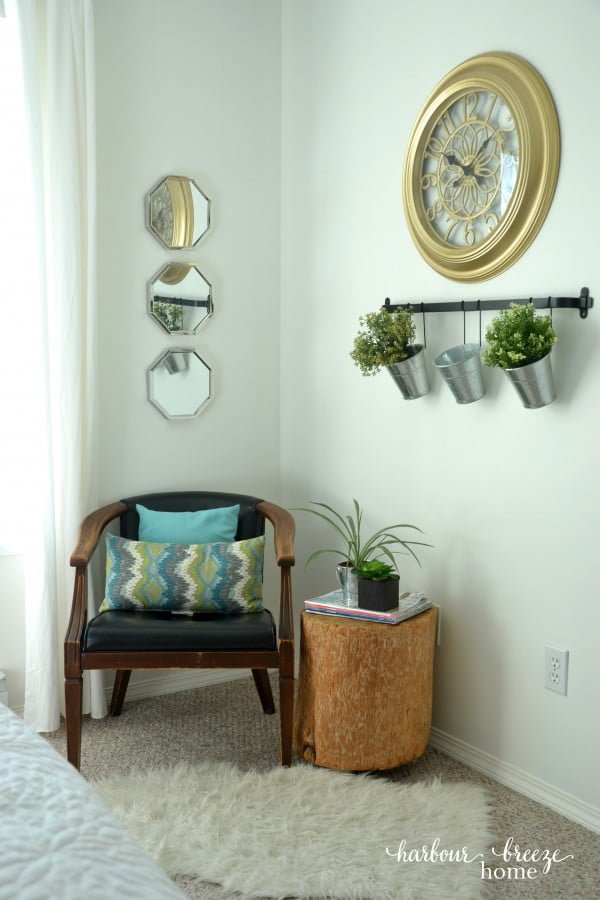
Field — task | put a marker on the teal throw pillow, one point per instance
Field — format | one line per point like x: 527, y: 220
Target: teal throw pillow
x: 205, y: 526
x: 210, y: 578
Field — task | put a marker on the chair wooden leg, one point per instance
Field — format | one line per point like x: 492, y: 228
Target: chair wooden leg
x: 286, y: 713
x: 263, y: 687
x: 119, y: 691
x: 73, y: 699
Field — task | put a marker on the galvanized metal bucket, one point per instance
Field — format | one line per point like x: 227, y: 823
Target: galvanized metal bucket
x: 410, y: 374
x: 534, y: 383
x: 177, y: 361
x: 460, y: 368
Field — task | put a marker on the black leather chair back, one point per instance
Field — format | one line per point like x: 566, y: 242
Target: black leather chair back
x: 250, y: 522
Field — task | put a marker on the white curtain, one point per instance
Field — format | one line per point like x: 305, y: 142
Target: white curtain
x: 58, y: 62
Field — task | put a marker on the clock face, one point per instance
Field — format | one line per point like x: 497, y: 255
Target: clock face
x: 469, y: 169
x: 178, y: 212
x: 161, y: 213
x: 481, y: 167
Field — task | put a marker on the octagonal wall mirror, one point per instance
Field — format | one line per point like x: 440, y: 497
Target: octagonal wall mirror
x: 180, y: 298
x: 179, y: 383
x: 178, y: 212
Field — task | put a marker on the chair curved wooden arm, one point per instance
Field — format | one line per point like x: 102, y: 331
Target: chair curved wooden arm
x: 284, y: 530
x: 201, y: 642
x: 91, y: 530
x: 89, y: 535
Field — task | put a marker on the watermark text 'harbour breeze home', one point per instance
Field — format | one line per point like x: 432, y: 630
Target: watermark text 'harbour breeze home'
x: 519, y: 864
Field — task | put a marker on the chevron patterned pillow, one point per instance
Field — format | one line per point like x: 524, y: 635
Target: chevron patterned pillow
x: 212, y: 578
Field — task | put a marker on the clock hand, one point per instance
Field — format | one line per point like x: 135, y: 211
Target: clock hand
x: 452, y: 159
x: 466, y: 170
x: 470, y: 169
x: 482, y: 148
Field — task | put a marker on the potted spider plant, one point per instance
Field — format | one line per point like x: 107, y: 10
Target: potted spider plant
x: 355, y: 550
x: 387, y: 341
x: 520, y: 342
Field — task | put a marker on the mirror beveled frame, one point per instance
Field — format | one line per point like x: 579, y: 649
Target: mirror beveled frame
x: 183, y: 207
x: 174, y: 267
x: 160, y: 361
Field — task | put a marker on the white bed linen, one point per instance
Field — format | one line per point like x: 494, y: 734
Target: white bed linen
x: 58, y: 841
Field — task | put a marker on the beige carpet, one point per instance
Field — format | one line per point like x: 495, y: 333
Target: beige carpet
x: 225, y: 722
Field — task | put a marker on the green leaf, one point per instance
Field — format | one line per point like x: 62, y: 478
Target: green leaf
x: 404, y: 543
x: 375, y: 570
x: 334, y: 512
x: 413, y: 554
x: 351, y: 527
x: 319, y: 552
x: 343, y: 533
x: 389, y: 555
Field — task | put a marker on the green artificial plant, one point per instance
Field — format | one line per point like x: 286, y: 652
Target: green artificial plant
x: 170, y: 314
x: 375, y: 570
x: 355, y: 548
x: 518, y: 337
x: 384, y: 340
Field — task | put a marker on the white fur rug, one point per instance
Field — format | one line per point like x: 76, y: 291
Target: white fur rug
x: 304, y: 831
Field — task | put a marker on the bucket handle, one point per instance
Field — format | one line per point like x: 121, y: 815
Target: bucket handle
x: 464, y: 312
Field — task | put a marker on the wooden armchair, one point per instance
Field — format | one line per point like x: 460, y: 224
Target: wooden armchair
x: 127, y: 640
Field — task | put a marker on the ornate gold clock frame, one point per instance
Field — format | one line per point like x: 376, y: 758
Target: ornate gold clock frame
x: 481, y: 167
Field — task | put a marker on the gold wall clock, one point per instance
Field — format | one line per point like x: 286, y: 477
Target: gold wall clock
x: 481, y: 167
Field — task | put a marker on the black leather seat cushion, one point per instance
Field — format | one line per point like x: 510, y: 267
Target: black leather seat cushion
x: 117, y: 630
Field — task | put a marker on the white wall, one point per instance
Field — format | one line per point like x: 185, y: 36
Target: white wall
x: 508, y: 496
x: 190, y: 87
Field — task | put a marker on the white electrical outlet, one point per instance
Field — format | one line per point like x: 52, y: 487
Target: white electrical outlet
x: 556, y: 667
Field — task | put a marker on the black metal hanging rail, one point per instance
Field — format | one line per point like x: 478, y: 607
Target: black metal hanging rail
x: 182, y: 301
x: 583, y: 303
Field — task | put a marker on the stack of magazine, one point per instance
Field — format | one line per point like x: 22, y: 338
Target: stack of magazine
x: 333, y: 604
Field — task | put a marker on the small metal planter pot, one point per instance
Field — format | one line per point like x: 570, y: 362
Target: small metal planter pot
x: 348, y: 581
x: 410, y: 374
x: 176, y: 362
x: 460, y: 368
x: 534, y: 383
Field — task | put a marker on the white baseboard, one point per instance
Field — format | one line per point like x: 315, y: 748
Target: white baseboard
x: 172, y: 682
x: 509, y: 775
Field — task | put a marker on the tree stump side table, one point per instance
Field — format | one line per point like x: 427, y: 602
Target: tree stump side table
x: 365, y: 691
